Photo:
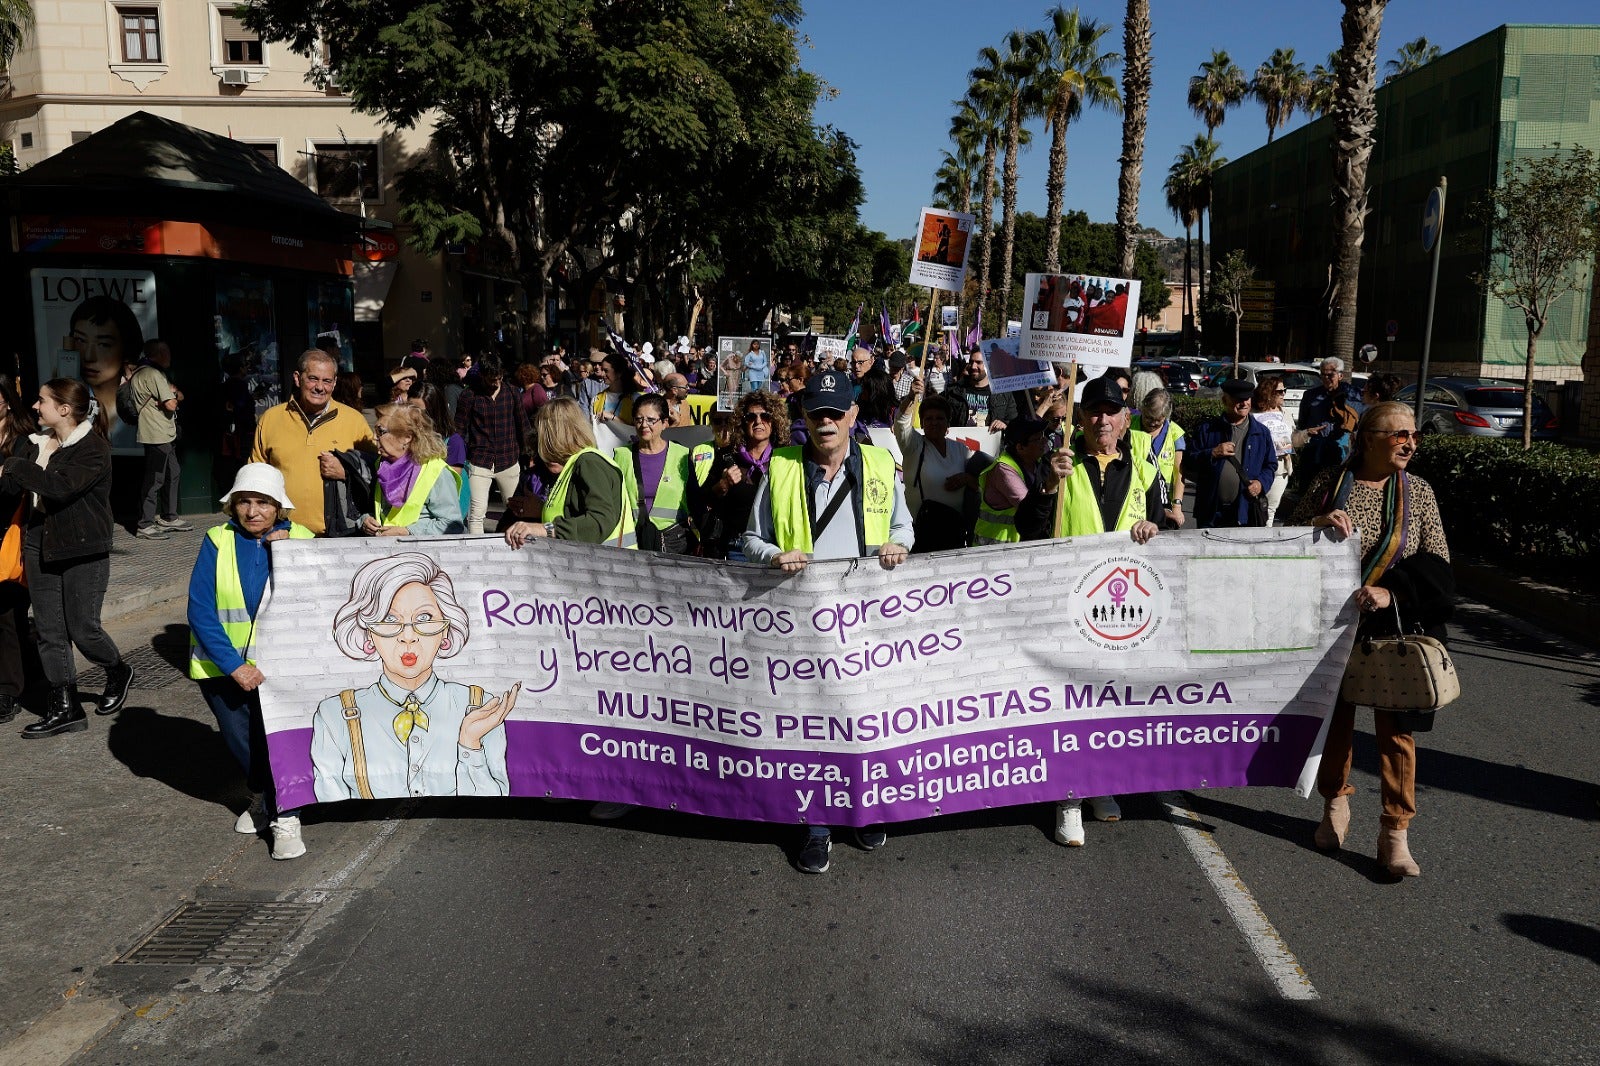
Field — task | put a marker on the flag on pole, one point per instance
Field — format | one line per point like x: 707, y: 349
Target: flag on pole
x: 975, y: 335
x: 884, y: 332
x: 915, y: 325
x: 854, y: 336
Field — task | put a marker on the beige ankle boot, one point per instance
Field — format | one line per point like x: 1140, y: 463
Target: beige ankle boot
x: 1394, y: 854
x: 1335, y: 822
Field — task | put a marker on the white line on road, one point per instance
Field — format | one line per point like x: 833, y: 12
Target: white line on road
x: 320, y: 892
x: 1270, y: 948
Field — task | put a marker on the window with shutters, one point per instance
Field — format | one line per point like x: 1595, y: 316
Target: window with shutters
x: 240, y: 44
x: 141, y: 34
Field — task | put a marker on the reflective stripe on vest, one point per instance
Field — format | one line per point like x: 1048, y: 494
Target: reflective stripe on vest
x: 791, y: 519
x: 231, y: 608
x: 997, y: 525
x: 667, y: 507
x: 1083, y: 510
x: 411, y: 510
x: 556, y: 502
x: 703, y: 456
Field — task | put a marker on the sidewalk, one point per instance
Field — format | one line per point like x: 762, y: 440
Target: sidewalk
x: 148, y: 572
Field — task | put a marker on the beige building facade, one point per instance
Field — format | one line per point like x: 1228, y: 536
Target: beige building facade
x: 90, y: 63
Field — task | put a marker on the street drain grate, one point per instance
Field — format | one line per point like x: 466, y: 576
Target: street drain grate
x: 153, y: 666
x: 220, y: 933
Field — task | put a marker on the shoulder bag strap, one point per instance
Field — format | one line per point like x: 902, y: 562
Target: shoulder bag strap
x: 358, y: 747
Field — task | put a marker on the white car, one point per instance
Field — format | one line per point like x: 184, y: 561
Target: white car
x: 1296, y: 380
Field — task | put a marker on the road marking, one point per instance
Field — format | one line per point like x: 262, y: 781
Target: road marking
x: 1269, y: 947
x: 391, y: 825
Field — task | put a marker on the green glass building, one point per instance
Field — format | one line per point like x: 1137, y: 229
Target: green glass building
x: 1509, y: 94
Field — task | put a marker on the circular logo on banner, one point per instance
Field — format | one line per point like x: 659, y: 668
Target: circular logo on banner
x: 1120, y: 603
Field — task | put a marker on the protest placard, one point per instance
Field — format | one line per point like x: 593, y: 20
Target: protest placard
x: 842, y: 695
x: 744, y: 364
x: 1009, y: 372
x: 1080, y: 317
x: 940, y: 259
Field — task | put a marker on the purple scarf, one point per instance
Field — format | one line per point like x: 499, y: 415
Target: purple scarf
x: 752, y: 462
x: 397, y: 477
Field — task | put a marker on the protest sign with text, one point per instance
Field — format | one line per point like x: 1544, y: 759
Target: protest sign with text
x: 1008, y: 372
x: 939, y: 259
x: 1079, y: 317
x: 744, y: 364
x: 845, y: 694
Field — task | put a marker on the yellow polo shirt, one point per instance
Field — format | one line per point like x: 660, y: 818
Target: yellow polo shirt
x: 289, y: 442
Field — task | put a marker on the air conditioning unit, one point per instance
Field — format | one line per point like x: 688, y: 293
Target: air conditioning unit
x: 235, y: 76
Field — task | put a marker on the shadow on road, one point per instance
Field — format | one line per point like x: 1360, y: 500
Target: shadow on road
x: 1556, y: 933
x: 1100, y: 1021
x: 185, y: 755
x: 1296, y: 831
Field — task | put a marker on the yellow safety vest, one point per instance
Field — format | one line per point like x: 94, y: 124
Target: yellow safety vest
x: 704, y: 454
x: 1083, y: 510
x: 411, y: 510
x: 1167, y: 457
x: 622, y: 534
x: 232, y: 610
x: 791, y: 518
x: 992, y: 524
x: 668, y: 506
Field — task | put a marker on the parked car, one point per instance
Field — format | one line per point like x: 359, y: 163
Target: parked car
x: 1478, y: 407
x: 1296, y: 380
x: 1178, y: 377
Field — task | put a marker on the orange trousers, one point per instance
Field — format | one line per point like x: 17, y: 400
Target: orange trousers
x: 1397, y: 764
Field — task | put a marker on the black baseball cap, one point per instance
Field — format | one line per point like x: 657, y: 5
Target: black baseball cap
x: 1102, y: 390
x: 828, y: 390
x: 1238, y: 387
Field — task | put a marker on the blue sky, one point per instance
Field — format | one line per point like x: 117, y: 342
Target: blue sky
x: 896, y: 67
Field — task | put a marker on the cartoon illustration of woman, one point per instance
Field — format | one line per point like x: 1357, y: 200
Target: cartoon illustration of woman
x: 409, y: 733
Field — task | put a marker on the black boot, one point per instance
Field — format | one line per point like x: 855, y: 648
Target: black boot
x: 8, y: 708
x: 65, y: 715
x: 119, y: 679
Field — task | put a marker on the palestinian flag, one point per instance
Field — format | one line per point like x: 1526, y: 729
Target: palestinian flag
x: 854, y: 336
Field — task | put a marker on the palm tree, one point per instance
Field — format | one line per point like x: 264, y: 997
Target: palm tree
x: 954, y: 181
x: 976, y: 125
x: 1320, y: 86
x: 1180, y: 198
x: 1002, y: 81
x: 1135, y: 112
x: 1281, y: 85
x: 1200, y: 163
x: 1219, y: 86
x: 16, y: 21
x: 1355, y: 115
x: 1411, y: 55
x: 1070, y: 76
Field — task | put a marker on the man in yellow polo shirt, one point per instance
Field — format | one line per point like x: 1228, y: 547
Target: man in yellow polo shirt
x: 300, y: 436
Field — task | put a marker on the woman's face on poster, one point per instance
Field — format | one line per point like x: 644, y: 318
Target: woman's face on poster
x: 410, y: 635
x: 99, y: 349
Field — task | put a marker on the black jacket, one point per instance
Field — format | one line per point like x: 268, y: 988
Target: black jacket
x: 74, y: 495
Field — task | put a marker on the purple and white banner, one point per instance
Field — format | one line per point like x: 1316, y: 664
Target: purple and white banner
x: 843, y: 695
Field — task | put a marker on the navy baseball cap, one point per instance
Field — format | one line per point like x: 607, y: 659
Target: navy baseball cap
x: 828, y: 390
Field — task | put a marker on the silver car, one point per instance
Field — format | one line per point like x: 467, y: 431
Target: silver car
x: 1478, y: 407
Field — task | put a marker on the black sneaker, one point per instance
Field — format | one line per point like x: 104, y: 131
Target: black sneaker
x: 871, y: 839
x: 814, y: 856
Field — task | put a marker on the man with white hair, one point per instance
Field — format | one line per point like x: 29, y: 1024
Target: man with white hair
x: 1329, y: 415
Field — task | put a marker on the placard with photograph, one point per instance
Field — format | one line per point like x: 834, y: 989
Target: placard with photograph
x: 1080, y: 317
x: 943, y: 239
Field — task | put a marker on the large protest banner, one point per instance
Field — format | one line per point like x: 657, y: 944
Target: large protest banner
x: 1080, y: 317
x: 940, y: 256
x: 845, y: 695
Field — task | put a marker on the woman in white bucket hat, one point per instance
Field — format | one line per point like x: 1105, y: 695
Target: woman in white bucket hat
x: 225, y: 592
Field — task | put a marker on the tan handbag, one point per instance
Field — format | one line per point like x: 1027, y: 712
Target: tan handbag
x: 1409, y: 672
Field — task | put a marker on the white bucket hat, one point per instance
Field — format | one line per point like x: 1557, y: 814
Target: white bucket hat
x: 262, y: 478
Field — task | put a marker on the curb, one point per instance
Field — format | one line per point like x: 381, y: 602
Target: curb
x: 1573, y: 615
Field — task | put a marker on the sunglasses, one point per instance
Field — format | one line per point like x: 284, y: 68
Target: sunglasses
x: 757, y: 416
x: 1399, y: 436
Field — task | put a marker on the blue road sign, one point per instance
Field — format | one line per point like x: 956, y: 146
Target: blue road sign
x: 1432, y: 219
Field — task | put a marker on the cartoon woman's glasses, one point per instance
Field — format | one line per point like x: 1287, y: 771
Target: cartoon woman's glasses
x: 428, y: 627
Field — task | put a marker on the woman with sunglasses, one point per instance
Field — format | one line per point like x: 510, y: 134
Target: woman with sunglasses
x: 1405, y: 581
x: 737, y: 472
x: 1266, y: 407
x: 656, y: 476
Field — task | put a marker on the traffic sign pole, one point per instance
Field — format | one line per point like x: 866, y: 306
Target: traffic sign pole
x: 1432, y: 238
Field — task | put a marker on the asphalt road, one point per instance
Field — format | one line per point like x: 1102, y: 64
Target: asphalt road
x: 519, y: 931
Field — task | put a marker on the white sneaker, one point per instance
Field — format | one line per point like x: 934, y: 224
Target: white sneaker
x: 286, y: 842
x: 1105, y: 808
x: 609, y: 812
x: 1069, y: 823
x: 247, y: 823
